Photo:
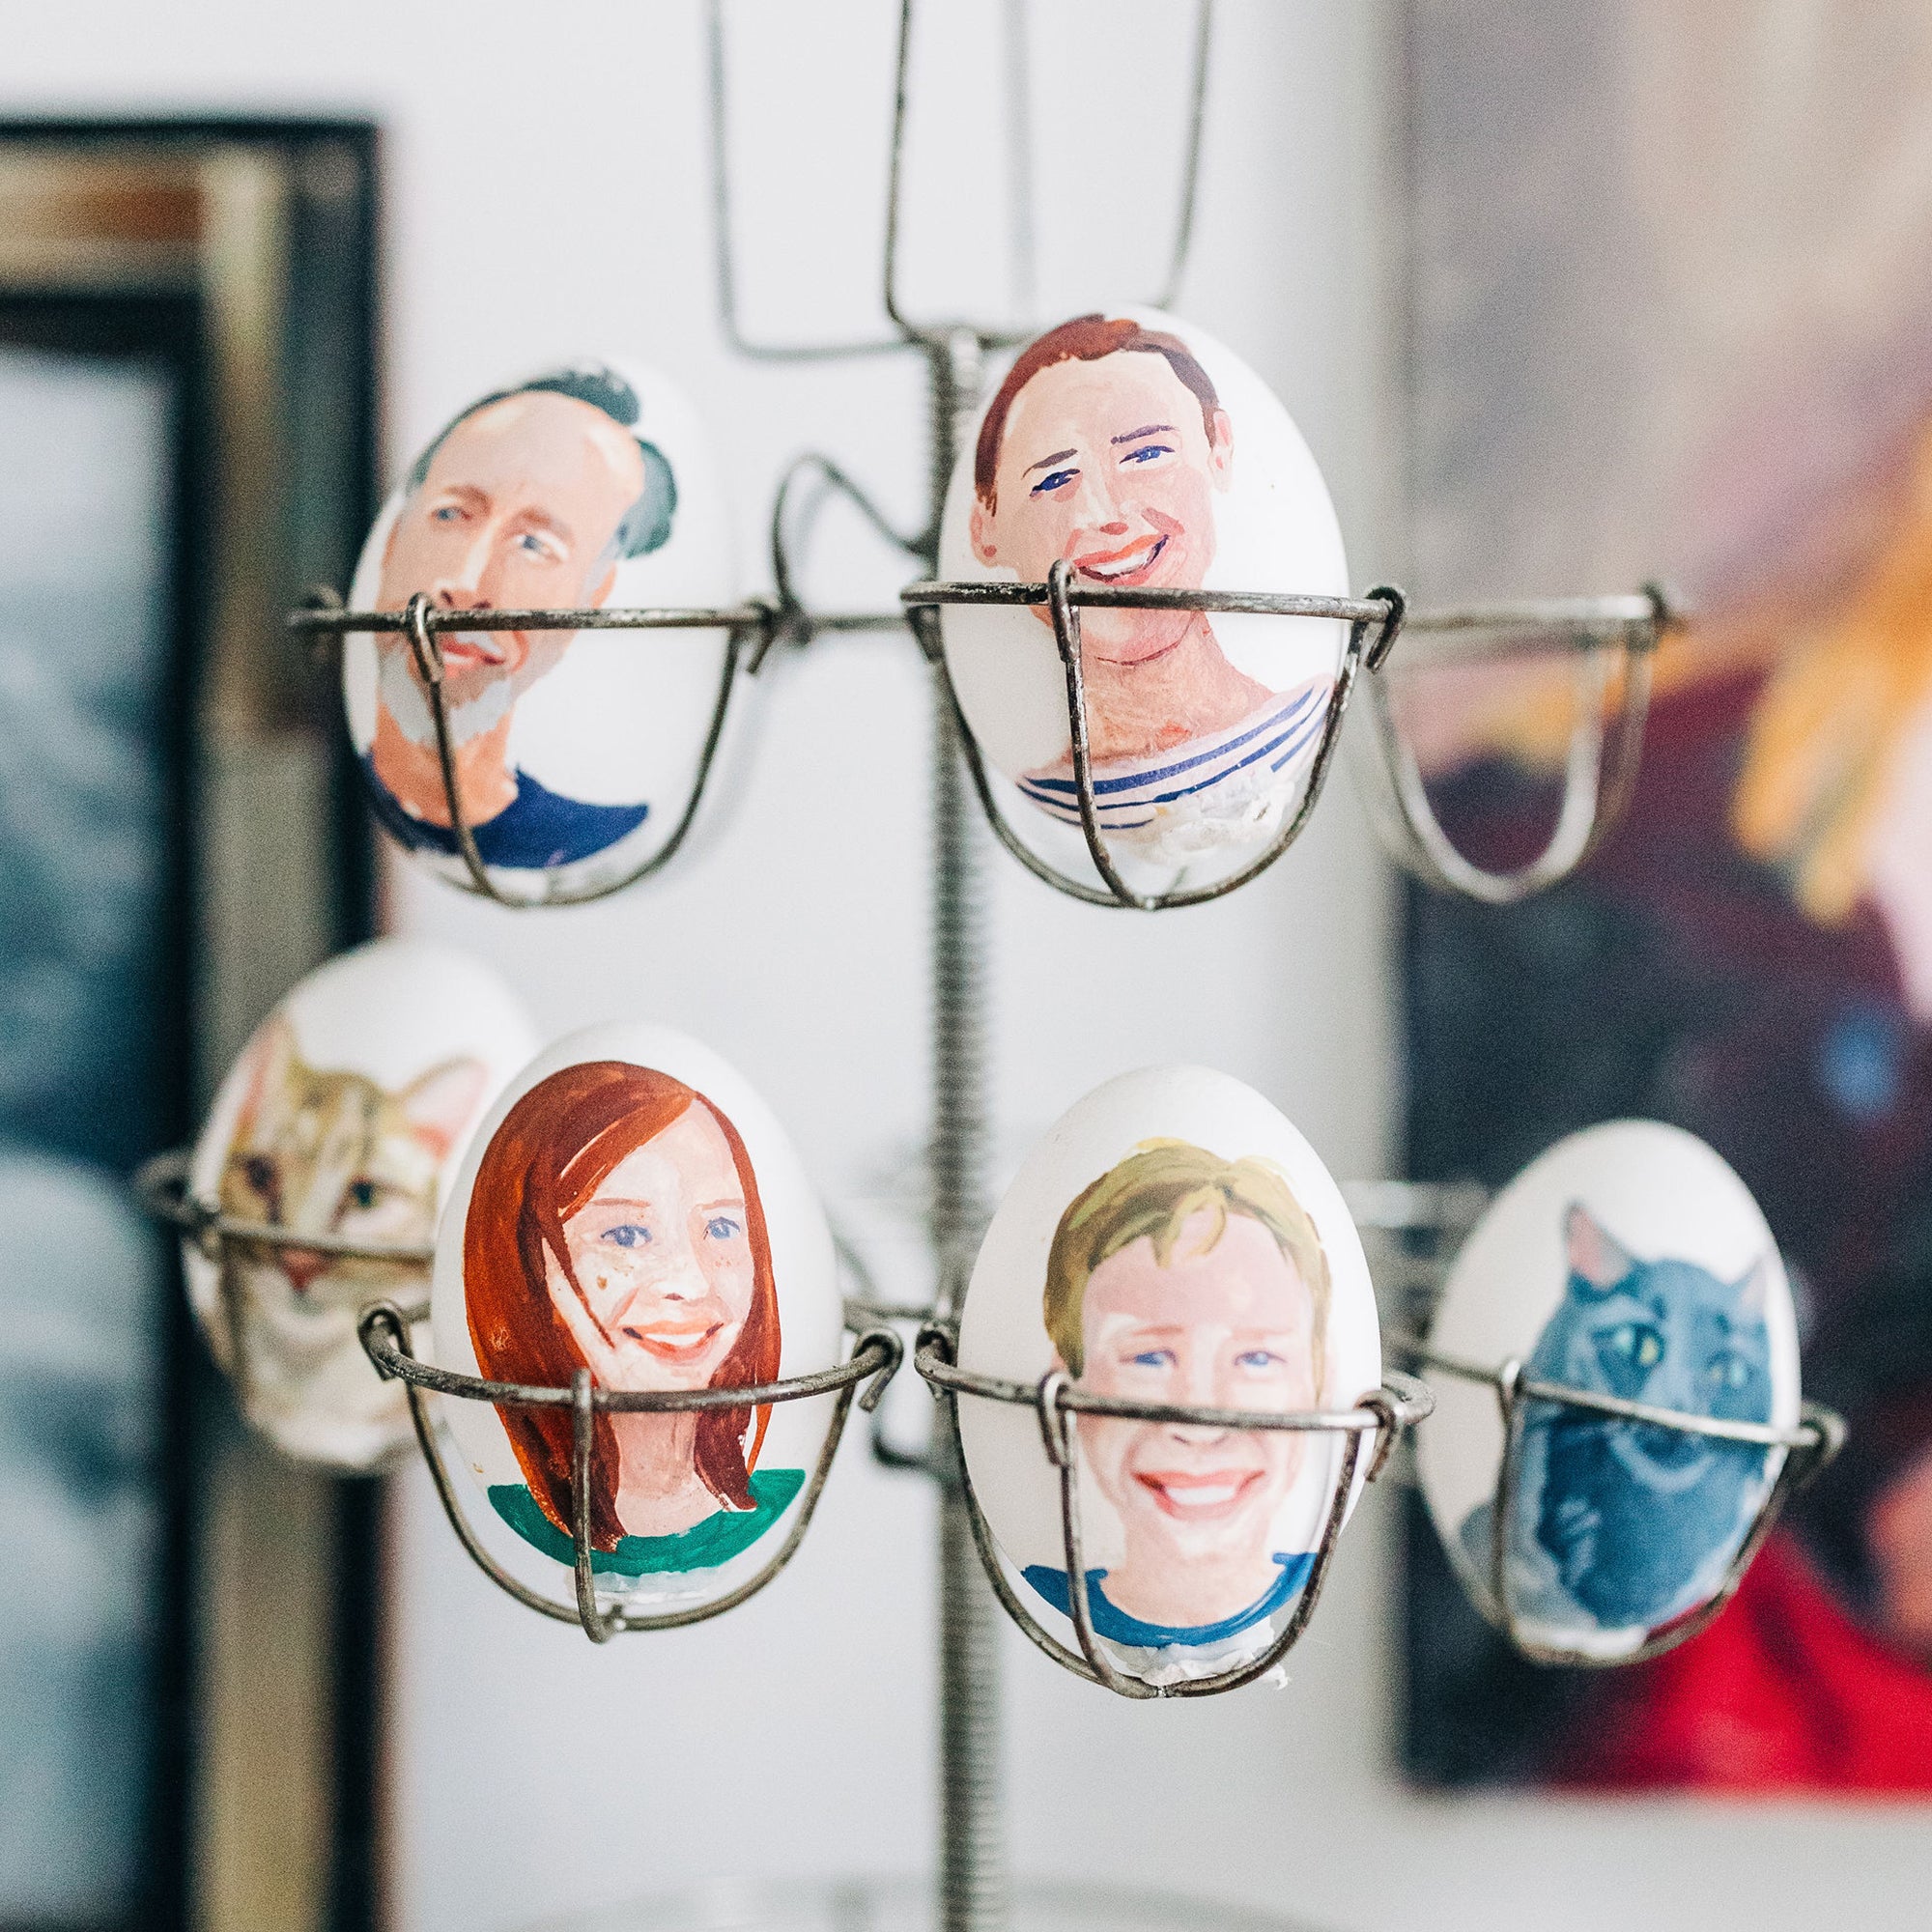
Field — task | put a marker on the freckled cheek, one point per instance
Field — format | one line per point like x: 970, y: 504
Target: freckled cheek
x: 729, y: 1276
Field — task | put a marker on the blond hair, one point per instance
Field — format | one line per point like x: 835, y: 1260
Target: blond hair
x: 1153, y: 1193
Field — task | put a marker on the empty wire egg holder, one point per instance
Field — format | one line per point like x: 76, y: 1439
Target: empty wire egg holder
x: 1604, y: 636
x: 1384, y: 1414
x: 1372, y: 621
x: 1440, y: 1216
x: 382, y: 1327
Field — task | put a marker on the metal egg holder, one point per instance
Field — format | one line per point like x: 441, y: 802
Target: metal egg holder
x: 1383, y: 1414
x: 1440, y: 1217
x: 1602, y: 632
x: 383, y: 1330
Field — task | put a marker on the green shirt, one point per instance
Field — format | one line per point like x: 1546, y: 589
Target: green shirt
x: 703, y: 1547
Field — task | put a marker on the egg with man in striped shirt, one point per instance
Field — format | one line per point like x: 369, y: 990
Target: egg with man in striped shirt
x: 1145, y: 456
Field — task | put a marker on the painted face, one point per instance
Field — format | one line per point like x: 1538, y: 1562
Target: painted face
x: 664, y: 1255
x: 1109, y: 465
x: 1227, y: 1327
x: 518, y: 511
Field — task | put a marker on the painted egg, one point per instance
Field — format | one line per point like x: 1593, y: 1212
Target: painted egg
x: 1172, y: 1239
x: 588, y: 485
x: 632, y: 1207
x: 1138, y: 449
x: 344, y: 1119
x: 1628, y: 1260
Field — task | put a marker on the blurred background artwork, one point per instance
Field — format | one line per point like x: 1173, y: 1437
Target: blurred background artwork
x: 86, y: 979
x: 1671, y: 270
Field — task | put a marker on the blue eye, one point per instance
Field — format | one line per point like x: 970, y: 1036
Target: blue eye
x: 1154, y: 1358
x: 1258, y: 1358
x: 1728, y: 1371
x: 721, y: 1227
x: 1054, y: 479
x: 627, y: 1235
x: 362, y: 1194
x: 534, y: 546
x: 1148, y: 451
x: 449, y: 513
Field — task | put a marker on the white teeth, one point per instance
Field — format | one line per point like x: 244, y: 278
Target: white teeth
x: 1124, y: 566
x: 1205, y: 1495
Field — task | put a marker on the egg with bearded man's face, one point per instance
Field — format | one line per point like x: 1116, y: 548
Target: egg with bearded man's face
x: 588, y: 486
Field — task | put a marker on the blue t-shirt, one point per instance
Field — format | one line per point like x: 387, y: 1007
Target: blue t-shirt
x: 1113, y: 1624
x: 537, y: 829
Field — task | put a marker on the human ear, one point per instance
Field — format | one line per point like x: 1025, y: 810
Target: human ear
x: 1221, y: 449
x: 979, y: 528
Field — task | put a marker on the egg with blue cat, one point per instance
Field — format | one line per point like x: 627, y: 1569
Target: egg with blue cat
x: 1173, y: 1239
x: 633, y: 1208
x: 587, y: 484
x: 1628, y: 1262
x: 340, y: 1126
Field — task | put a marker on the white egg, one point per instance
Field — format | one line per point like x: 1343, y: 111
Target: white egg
x: 588, y: 484
x: 345, y: 1116
x: 633, y: 1208
x: 1141, y: 451
x: 1626, y: 1261
x: 1172, y: 1239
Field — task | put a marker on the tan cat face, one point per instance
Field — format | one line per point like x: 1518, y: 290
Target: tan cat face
x: 321, y: 1152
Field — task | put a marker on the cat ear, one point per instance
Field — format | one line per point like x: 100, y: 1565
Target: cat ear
x: 440, y: 1104
x: 1754, y: 1289
x: 1596, y: 1256
x: 271, y: 1053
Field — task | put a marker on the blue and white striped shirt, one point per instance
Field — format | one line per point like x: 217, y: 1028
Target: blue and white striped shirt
x: 1229, y: 785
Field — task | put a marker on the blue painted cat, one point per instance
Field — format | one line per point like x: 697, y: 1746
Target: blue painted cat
x: 1622, y: 1524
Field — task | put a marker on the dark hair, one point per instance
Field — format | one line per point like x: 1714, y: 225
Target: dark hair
x: 645, y: 525
x: 557, y: 1147
x: 1087, y: 338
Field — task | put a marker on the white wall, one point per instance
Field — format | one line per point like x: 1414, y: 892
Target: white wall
x: 560, y: 148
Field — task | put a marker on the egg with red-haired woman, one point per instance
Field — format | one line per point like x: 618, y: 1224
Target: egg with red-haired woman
x: 1138, y: 451
x: 634, y: 1209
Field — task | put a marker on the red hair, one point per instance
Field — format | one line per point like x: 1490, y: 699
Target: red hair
x: 1087, y: 338
x: 556, y: 1148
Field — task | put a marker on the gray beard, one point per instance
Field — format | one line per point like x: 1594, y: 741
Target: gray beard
x: 403, y: 699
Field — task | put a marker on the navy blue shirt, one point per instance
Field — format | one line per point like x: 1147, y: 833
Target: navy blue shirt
x: 1114, y: 1624
x: 537, y: 829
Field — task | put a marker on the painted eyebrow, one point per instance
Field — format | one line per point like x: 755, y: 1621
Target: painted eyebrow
x: 1146, y: 429
x: 1047, y: 462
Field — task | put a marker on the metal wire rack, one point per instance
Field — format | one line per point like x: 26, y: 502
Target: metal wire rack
x: 973, y: 1891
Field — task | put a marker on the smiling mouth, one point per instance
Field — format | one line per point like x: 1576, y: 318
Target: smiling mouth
x: 473, y: 650
x: 675, y: 1344
x: 1128, y: 566
x: 1199, y: 1497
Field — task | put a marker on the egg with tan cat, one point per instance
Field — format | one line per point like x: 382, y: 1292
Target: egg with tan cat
x: 335, y: 1136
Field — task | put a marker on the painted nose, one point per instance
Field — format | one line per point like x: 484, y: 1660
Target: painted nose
x: 301, y: 1266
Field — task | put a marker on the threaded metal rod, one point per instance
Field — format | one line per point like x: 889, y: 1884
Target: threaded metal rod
x: 971, y: 1855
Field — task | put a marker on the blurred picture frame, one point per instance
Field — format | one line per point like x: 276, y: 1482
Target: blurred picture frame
x: 188, y: 327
